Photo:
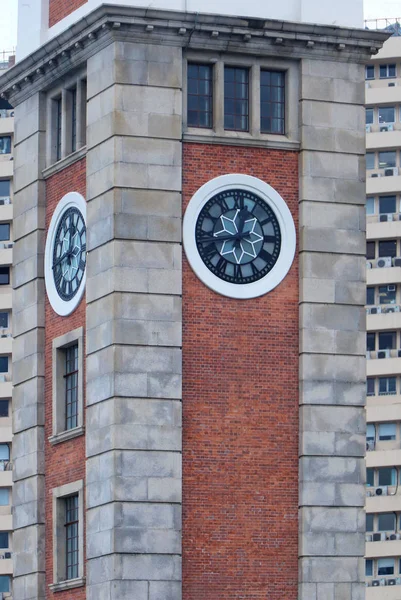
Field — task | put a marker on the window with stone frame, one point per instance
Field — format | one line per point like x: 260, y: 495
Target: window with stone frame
x: 68, y: 536
x: 67, y: 388
x: 66, y: 119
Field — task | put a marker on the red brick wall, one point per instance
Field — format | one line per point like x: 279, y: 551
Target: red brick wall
x: 240, y: 404
x: 64, y: 462
x: 58, y: 9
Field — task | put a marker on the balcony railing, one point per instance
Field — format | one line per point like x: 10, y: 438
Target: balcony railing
x: 392, y: 25
x: 383, y: 309
x: 6, y: 465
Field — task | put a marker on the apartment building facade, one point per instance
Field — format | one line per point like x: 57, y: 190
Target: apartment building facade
x: 383, y: 410
x: 189, y: 290
x: 7, y: 60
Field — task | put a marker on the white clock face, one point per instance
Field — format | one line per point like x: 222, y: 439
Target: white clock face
x: 239, y: 236
x: 65, y: 254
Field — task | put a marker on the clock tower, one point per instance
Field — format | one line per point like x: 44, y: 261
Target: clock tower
x: 189, y: 287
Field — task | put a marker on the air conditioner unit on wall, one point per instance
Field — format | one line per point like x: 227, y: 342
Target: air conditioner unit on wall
x: 384, y: 261
x: 397, y: 261
x: 391, y: 582
x: 376, y: 175
x: 368, y: 537
x: 370, y: 445
x: 390, y: 172
x: 387, y: 127
x: 368, y: 264
x: 381, y: 491
x: 384, y: 353
x: 385, y: 217
x: 375, y: 310
x: 391, y: 309
x: 391, y: 287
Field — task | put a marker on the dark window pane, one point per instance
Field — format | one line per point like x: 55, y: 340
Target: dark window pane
x: 369, y: 522
x: 370, y: 160
x: 386, y: 114
x: 5, y: 583
x: 388, y: 248
x: 3, y: 408
x: 4, y: 231
x: 387, y: 432
x: 4, y: 188
x: 387, y: 294
x: 3, y: 320
x: 383, y: 70
x: 387, y: 204
x: 272, y: 102
x: 4, y: 452
x: 236, y: 103
x: 387, y: 476
x: 387, y: 386
x: 391, y: 71
x: 369, y: 567
x: 370, y: 250
x: 387, y: 159
x: 71, y: 537
x: 5, y: 144
x: 370, y: 342
x: 4, y: 275
x: 3, y: 364
x: 370, y: 477
x: 370, y: 72
x: 385, y: 566
x: 4, y: 539
x: 370, y: 295
x: 369, y: 116
x: 370, y: 386
x: 71, y: 387
x: 200, y: 96
x: 387, y: 340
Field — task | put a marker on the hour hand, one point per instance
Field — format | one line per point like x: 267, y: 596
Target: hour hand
x: 214, y: 238
x: 59, y: 260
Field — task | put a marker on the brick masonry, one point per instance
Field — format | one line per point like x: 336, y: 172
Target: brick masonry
x: 64, y: 462
x: 240, y: 413
x: 58, y: 9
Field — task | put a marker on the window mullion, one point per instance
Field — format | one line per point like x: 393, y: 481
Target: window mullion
x: 254, y: 100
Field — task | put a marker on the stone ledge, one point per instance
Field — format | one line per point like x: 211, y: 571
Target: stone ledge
x: 209, y: 137
x: 61, y: 586
x: 66, y: 435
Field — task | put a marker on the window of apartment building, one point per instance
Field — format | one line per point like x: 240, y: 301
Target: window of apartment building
x: 370, y: 386
x: 370, y: 250
x: 369, y: 567
x: 66, y: 129
x: 4, y: 275
x: 387, y: 476
x: 386, y: 114
x: 387, y: 386
x: 5, y: 583
x: 385, y: 566
x: 4, y: 231
x: 369, y: 72
x: 3, y: 364
x: 4, y: 496
x: 3, y: 408
x: 5, y: 144
x: 67, y: 386
x: 370, y: 432
x: 388, y: 248
x: 236, y: 98
x: 370, y: 342
x: 387, y: 204
x: 369, y: 522
x: 370, y: 160
x: 4, y: 543
x: 272, y: 101
x: 5, y: 188
x: 386, y: 522
x: 370, y: 477
x: 370, y: 206
x: 200, y: 95
x: 387, y: 71
x: 369, y: 116
x: 3, y: 320
x: 68, y: 535
x: 387, y: 432
x: 387, y: 294
x: 370, y: 295
x: 387, y: 159
x: 387, y: 340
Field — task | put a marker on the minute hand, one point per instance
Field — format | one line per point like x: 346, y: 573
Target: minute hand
x: 59, y: 260
x: 234, y: 236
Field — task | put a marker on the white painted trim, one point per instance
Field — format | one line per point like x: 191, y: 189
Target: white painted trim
x: 285, y: 220
x: 62, y: 307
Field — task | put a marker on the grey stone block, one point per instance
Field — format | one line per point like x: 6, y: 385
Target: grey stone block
x: 344, y: 191
x: 333, y: 392
x: 332, y: 469
x: 164, y: 590
x: 29, y: 160
x: 152, y: 567
x: 28, y: 550
x: 330, y: 165
x: 338, y: 368
x: 30, y: 587
x: 331, y: 569
x: 30, y: 117
x: 336, y: 241
x: 332, y: 216
x: 332, y: 317
x: 333, y: 266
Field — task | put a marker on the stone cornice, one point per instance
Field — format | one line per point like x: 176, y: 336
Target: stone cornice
x: 73, y: 47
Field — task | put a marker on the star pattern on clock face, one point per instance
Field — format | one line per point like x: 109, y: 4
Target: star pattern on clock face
x: 238, y: 236
x: 69, y: 253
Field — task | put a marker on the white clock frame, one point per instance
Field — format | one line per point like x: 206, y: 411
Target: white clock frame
x: 60, y: 306
x: 284, y: 218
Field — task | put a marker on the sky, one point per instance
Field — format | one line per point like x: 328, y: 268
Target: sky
x: 374, y: 9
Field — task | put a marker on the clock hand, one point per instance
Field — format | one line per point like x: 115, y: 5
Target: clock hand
x: 59, y: 260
